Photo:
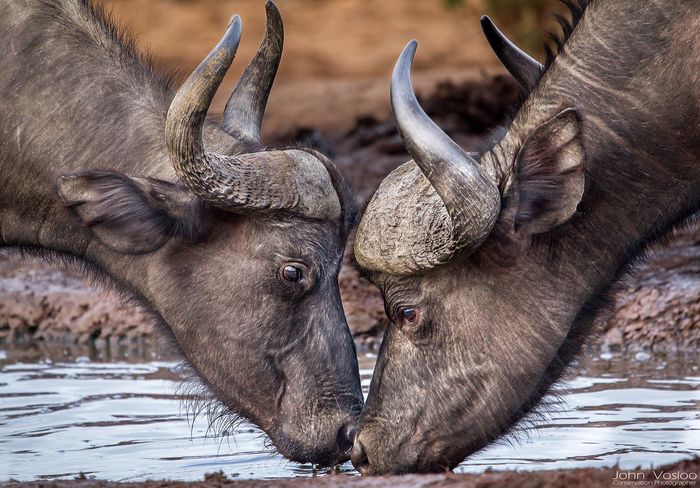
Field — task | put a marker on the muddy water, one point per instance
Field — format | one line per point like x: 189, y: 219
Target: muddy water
x: 121, y: 419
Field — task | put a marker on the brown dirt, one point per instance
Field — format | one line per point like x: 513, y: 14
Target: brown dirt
x: 658, y: 306
x: 583, y: 478
x: 52, y: 306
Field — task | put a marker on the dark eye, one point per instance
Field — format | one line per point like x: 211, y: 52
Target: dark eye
x: 408, y: 315
x: 292, y: 274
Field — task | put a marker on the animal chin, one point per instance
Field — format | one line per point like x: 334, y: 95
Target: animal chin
x: 222, y: 417
x: 300, y: 452
x: 443, y: 455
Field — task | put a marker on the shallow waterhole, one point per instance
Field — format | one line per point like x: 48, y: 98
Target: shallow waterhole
x: 118, y: 416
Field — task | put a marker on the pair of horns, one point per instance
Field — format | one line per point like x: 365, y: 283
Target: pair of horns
x: 238, y: 183
x: 442, y: 203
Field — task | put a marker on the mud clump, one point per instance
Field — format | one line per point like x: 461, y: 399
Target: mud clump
x: 685, y: 472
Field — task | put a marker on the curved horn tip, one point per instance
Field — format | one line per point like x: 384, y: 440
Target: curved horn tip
x: 274, y: 18
x: 520, y: 65
x: 488, y: 28
x: 496, y: 39
x: 271, y: 6
x: 235, y: 25
x: 245, y: 108
x: 232, y: 37
x: 410, y: 48
x: 493, y: 35
x: 402, y: 70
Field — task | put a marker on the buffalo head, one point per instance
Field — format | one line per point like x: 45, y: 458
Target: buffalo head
x: 463, y: 351
x: 237, y: 253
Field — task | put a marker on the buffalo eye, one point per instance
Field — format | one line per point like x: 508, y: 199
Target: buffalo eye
x: 408, y: 315
x: 291, y: 273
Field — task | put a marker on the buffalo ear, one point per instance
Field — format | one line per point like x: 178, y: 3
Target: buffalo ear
x: 132, y: 215
x: 549, y: 181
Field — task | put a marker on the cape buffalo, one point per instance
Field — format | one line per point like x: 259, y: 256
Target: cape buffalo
x: 234, y: 248
x: 494, y: 265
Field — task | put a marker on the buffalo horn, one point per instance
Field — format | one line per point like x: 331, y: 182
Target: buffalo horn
x: 522, y: 67
x: 246, y: 106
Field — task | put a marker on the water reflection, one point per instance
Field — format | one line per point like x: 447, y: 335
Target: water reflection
x: 122, y: 420
x: 617, y: 409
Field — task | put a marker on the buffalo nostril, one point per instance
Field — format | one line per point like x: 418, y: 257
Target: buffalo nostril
x: 359, y: 458
x: 345, y: 438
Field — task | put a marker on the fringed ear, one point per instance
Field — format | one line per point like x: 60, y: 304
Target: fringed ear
x: 132, y: 215
x: 549, y: 181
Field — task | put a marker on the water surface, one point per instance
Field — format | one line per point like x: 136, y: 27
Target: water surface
x: 120, y: 418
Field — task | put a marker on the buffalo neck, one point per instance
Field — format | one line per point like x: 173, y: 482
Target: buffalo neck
x: 634, y: 84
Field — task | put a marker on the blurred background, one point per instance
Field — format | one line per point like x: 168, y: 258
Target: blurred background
x: 338, y: 38
x: 338, y: 54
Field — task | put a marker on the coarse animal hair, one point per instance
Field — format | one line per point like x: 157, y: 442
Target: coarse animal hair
x: 126, y: 202
x: 558, y: 40
x: 85, y: 122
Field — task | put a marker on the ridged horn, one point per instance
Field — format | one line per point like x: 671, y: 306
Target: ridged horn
x: 246, y: 106
x: 433, y: 209
x: 471, y: 198
x: 519, y: 64
x: 238, y: 183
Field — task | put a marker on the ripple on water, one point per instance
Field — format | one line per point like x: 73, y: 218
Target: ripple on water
x: 123, y: 421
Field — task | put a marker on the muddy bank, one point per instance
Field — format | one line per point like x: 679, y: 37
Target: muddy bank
x: 687, y: 471
x: 658, y: 305
x: 657, y: 308
x: 38, y: 303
